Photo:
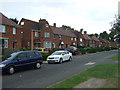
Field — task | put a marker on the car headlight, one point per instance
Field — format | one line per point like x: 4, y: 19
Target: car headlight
x: 2, y: 65
x: 56, y: 57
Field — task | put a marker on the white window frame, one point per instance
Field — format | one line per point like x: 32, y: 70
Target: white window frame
x: 75, y: 39
x: 72, y: 38
x: 6, y: 43
x: 81, y: 39
x: 47, y: 44
x: 2, y: 28
x: 54, y: 46
x: 46, y: 25
x: 22, y: 23
x: 36, y: 34
x: 14, y: 31
x: 46, y: 34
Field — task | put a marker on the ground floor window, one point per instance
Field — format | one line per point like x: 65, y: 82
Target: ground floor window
x: 47, y: 44
x: 54, y: 46
x: 4, y: 43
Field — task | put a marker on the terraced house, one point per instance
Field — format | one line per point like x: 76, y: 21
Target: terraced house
x: 42, y: 35
x: 10, y: 33
x: 63, y: 37
x: 36, y: 34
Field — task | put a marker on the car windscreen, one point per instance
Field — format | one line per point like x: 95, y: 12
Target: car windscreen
x: 11, y: 56
x: 57, y: 53
x: 38, y: 49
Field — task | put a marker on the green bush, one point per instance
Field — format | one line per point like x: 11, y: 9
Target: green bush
x: 24, y: 49
x: 107, y: 48
x: 44, y: 56
x: 81, y: 50
x: 92, y: 50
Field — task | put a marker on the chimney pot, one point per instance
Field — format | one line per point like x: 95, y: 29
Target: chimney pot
x: 85, y: 32
x: 54, y: 24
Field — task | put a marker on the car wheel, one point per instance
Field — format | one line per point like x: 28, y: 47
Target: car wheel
x: 61, y: 61
x: 37, y: 65
x: 70, y: 59
x: 11, y: 70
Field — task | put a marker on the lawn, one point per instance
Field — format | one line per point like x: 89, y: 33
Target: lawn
x: 105, y: 71
x: 116, y: 57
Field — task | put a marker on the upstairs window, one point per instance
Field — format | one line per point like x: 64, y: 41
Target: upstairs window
x: 2, y: 28
x: 46, y: 35
x: 81, y: 39
x: 46, y: 25
x: 75, y: 39
x: 22, y: 23
x: 60, y: 36
x: 14, y: 31
x: 54, y: 36
x: 36, y: 34
x: 72, y: 38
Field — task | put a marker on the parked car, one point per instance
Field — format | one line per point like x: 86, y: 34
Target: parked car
x: 72, y: 50
x: 59, y: 56
x: 43, y: 50
x: 19, y: 60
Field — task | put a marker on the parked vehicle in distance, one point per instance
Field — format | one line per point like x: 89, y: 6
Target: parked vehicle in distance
x: 73, y: 50
x: 59, y: 56
x: 21, y: 60
x: 43, y: 50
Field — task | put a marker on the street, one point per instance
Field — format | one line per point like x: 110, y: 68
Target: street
x: 52, y: 73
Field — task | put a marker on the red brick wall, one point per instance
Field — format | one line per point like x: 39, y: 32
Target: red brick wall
x: 9, y: 34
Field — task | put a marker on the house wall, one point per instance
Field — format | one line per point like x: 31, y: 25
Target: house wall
x: 9, y: 34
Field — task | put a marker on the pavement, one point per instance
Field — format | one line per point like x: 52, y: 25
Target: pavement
x: 52, y: 73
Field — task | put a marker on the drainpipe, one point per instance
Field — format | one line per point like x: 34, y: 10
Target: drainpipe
x: 32, y: 40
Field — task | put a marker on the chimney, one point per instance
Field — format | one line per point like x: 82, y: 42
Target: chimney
x: 85, y: 32
x: 72, y: 29
x: 54, y: 24
x: 42, y: 20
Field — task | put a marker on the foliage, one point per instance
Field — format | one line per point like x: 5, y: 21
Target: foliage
x: 24, y: 49
x: 44, y: 56
x: 14, y: 20
x: 64, y: 26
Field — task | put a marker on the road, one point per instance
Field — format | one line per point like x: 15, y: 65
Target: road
x: 52, y: 73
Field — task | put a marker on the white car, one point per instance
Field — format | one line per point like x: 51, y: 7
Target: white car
x: 59, y: 56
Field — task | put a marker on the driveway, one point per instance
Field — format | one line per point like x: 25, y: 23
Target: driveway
x: 52, y: 73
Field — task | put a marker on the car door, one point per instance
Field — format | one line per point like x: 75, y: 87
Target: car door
x: 68, y: 55
x: 21, y: 60
x: 65, y: 56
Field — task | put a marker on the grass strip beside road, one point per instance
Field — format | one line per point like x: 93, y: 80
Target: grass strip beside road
x: 116, y: 57
x: 105, y: 71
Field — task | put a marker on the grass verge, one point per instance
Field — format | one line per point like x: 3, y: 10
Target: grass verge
x: 105, y: 71
x: 116, y: 57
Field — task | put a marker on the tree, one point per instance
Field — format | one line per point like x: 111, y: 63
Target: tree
x: 115, y: 30
x: 14, y: 20
x: 67, y: 27
x: 104, y: 35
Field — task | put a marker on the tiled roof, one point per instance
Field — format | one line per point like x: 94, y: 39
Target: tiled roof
x: 62, y: 31
x: 85, y: 36
x: 94, y: 38
x: 6, y: 21
x: 32, y: 24
x: 102, y: 40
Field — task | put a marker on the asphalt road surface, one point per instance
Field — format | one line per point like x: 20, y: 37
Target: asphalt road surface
x: 52, y: 73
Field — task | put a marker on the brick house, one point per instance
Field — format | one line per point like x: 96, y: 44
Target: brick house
x: 10, y: 33
x: 95, y: 41
x: 86, y: 39
x: 63, y: 37
x: 102, y: 42
x: 36, y: 34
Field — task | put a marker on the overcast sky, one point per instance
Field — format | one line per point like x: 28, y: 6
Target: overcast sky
x: 94, y: 16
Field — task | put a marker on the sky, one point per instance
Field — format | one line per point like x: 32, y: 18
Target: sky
x: 94, y: 16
